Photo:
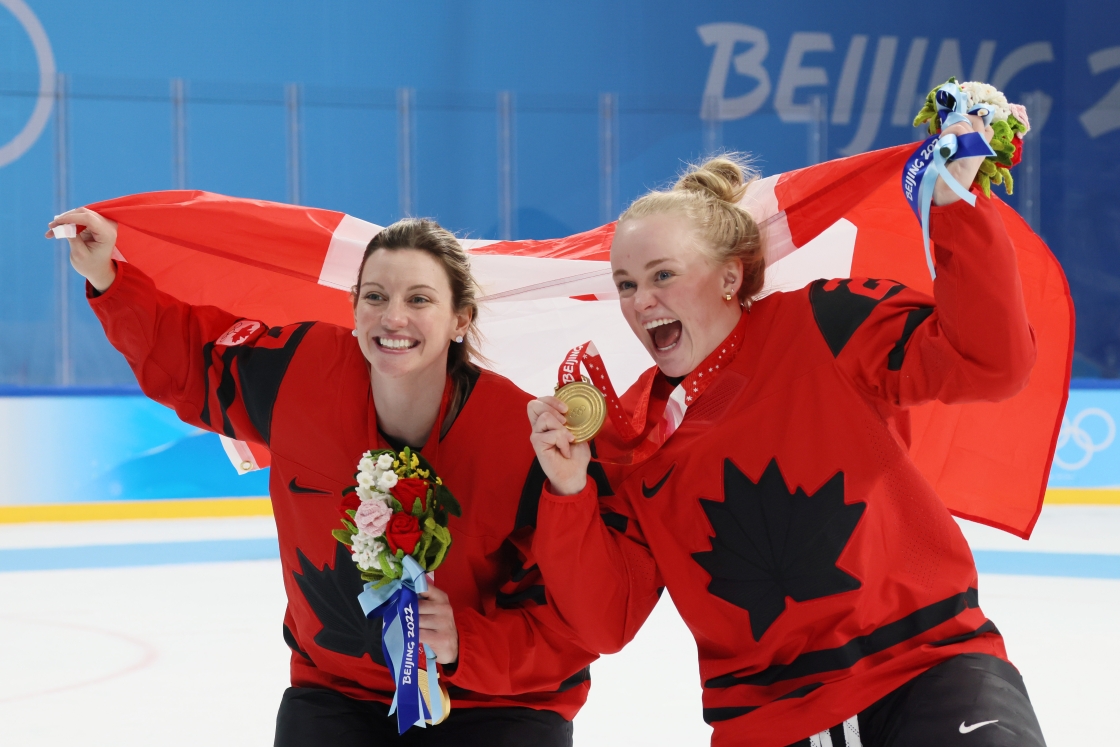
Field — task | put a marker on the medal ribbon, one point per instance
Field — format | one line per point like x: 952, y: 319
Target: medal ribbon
x: 397, y: 604
x: 627, y: 445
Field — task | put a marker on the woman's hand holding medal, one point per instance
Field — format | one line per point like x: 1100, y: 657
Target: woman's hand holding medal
x: 563, y: 459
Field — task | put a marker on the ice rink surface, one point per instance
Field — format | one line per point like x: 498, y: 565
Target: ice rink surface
x: 190, y: 653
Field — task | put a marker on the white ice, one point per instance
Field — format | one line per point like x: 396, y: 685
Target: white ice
x: 192, y: 654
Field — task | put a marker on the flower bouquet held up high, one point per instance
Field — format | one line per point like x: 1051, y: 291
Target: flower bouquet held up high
x: 1009, y: 123
x: 395, y: 524
x: 945, y: 106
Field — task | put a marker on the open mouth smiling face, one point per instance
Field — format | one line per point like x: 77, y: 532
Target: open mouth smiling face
x: 670, y: 291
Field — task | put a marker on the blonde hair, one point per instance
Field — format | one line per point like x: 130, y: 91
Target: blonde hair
x: 428, y: 236
x: 708, y: 195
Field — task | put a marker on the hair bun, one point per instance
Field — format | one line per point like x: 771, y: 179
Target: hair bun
x: 723, y: 177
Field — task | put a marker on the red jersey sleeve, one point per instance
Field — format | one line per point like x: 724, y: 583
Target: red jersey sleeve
x: 216, y: 370
x: 971, y: 342
x: 598, y: 569
x: 521, y: 646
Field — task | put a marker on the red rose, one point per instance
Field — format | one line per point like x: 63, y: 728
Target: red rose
x: 349, y: 503
x: 1018, y: 155
x: 408, y: 489
x: 403, y: 533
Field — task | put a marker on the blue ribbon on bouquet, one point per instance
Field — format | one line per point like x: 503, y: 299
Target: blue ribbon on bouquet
x: 934, y: 154
x: 397, y: 604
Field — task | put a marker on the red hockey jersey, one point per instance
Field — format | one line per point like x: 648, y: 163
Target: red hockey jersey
x: 304, y: 392
x: 815, y: 566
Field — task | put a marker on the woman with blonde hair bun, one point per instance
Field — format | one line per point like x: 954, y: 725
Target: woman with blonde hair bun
x: 765, y: 478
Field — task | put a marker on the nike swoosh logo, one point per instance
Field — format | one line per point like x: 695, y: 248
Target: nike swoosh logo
x: 297, y: 488
x: 974, y: 727
x: 650, y: 492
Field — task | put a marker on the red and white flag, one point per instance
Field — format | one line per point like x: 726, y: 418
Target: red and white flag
x: 283, y: 263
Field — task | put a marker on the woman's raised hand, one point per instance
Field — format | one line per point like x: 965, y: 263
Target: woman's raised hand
x: 564, y: 461
x: 963, y: 169
x: 91, y: 251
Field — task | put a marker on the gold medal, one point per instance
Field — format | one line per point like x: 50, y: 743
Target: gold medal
x: 422, y: 679
x: 587, y: 409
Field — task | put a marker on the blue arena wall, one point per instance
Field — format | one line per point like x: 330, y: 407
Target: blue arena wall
x: 104, y: 445
x: 518, y: 119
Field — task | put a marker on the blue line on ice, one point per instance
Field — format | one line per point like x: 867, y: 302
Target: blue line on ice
x: 1069, y: 564
x: 149, y: 553
x: 1073, y: 565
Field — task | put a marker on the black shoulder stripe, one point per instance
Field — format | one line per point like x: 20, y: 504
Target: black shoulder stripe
x: 534, y: 483
x: 534, y: 594
x: 530, y: 497
x: 596, y: 472
x: 207, y: 355
x: 618, y: 522
x: 839, y: 311
x: 464, y: 380
x: 260, y: 370
x: 913, y: 320
x: 227, y: 391
x: 583, y: 675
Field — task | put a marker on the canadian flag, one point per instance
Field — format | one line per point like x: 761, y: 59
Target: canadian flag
x: 283, y: 263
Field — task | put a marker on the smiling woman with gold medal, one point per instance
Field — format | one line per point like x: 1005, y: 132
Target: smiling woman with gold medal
x: 760, y: 473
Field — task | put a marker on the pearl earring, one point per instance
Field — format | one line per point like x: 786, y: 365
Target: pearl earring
x: 354, y: 332
x: 459, y: 338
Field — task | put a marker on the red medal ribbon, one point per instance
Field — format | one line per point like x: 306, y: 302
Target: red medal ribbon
x: 632, y: 438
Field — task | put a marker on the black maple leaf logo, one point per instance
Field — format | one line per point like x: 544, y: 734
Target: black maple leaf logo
x: 333, y: 595
x: 770, y: 544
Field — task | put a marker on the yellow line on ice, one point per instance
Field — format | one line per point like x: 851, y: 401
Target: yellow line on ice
x: 194, y: 508
x: 1084, y: 496
x: 203, y: 508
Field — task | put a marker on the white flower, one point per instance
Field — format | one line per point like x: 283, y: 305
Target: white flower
x: 367, y: 494
x: 983, y: 93
x: 366, y: 480
x: 366, y: 549
x: 368, y: 465
x: 385, y: 461
x: 387, y: 481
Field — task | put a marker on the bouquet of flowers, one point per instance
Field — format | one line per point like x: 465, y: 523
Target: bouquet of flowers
x: 395, y: 524
x: 945, y: 106
x: 1009, y: 123
x: 399, y: 507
